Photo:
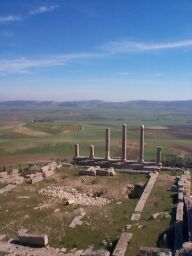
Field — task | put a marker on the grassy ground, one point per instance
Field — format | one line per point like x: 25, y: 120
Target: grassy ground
x: 99, y: 223
x: 160, y: 200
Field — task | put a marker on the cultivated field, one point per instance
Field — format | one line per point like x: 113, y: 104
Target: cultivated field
x: 34, y: 135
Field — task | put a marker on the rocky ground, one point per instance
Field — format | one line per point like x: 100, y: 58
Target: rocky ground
x: 73, y: 196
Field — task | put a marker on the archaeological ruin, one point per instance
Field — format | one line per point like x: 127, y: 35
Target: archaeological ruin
x: 88, y: 171
x: 118, y: 162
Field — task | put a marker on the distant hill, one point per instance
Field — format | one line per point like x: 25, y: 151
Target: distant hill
x: 91, y: 104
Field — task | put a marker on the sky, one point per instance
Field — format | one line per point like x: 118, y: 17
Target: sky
x: 111, y: 50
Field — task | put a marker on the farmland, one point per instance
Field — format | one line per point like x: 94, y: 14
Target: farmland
x: 36, y: 132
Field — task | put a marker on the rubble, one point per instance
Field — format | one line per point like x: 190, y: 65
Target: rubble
x: 33, y: 178
x: 69, y: 193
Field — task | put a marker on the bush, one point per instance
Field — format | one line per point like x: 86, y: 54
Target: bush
x: 178, y: 161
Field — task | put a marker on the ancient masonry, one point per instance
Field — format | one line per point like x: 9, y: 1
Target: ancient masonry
x: 119, y: 162
x: 141, y: 203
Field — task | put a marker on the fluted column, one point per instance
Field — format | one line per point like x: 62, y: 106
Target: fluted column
x: 124, y: 142
x: 92, y: 152
x: 76, y: 146
x: 107, y: 144
x: 159, y: 155
x: 141, y: 153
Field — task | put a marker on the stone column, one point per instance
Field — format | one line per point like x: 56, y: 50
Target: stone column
x: 92, y: 152
x: 107, y: 144
x: 76, y: 146
x: 141, y: 153
x: 124, y: 142
x: 159, y: 155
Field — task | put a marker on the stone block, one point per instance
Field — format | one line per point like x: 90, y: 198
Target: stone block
x: 91, y: 171
x: 33, y: 178
x: 48, y: 173
x: 33, y: 239
x: 3, y: 174
x: 14, y: 172
x: 121, y: 246
x: 96, y: 253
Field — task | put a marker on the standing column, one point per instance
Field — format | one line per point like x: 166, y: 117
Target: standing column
x: 124, y: 142
x: 92, y: 152
x: 159, y: 155
x: 76, y: 146
x: 141, y: 153
x: 107, y: 144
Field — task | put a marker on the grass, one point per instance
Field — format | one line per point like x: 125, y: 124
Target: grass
x: 59, y: 144
x: 93, y: 123
x: 99, y: 223
x: 160, y: 200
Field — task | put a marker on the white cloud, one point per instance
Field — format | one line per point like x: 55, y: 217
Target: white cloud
x: 43, y: 8
x: 9, y: 18
x: 23, y: 65
x: 131, y: 46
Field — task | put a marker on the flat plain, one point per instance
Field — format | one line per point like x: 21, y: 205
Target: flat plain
x: 39, y: 132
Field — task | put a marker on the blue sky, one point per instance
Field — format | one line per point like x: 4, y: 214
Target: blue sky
x: 113, y: 50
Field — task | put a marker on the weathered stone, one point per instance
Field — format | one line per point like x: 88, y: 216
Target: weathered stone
x: 3, y: 174
x: 33, y: 178
x: 96, y: 253
x: 91, y: 171
x: 14, y: 172
x: 48, y: 173
x: 121, y: 246
x: 159, y: 155
x: 33, y: 239
x: 124, y: 143
x: 76, y: 146
x: 104, y: 172
x: 107, y: 144
x: 92, y: 152
x: 141, y: 203
x: 154, y: 251
x: 141, y: 152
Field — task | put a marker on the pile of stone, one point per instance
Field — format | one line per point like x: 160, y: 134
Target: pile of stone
x: 96, y: 170
x: 49, y: 169
x: 10, y: 248
x: 154, y: 251
x: 186, y: 249
x: 183, y: 184
x: 33, y: 178
x: 71, y: 195
x: 43, y: 172
x: 10, y: 180
x: 13, y: 178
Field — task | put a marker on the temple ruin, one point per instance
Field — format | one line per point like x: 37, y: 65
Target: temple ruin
x: 118, y: 162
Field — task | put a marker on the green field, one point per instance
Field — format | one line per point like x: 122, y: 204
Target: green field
x: 53, y: 133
